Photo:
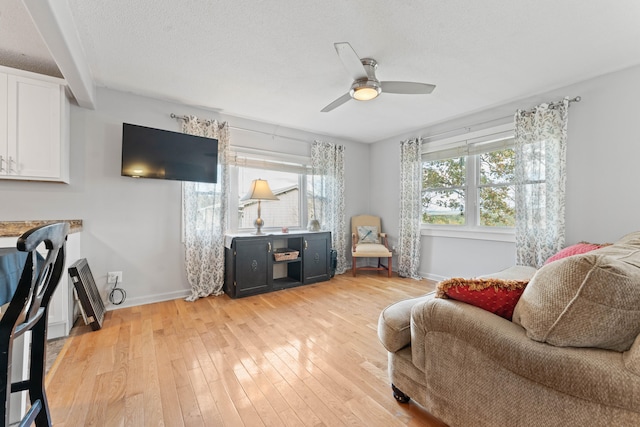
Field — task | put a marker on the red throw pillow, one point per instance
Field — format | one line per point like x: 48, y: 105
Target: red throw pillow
x: 578, y: 248
x: 494, y: 295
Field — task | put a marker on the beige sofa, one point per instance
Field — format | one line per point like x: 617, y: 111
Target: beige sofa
x: 570, y: 357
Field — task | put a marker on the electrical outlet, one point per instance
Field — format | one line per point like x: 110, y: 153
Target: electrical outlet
x: 112, y: 276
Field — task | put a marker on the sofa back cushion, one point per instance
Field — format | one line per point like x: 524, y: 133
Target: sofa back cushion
x: 588, y: 300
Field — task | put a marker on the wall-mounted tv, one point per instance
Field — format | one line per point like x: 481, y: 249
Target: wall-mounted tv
x: 162, y: 154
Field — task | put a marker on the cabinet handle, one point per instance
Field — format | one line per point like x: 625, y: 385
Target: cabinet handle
x: 306, y: 246
x: 268, y: 247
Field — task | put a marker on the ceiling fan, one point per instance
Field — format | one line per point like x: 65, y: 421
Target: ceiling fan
x: 366, y: 86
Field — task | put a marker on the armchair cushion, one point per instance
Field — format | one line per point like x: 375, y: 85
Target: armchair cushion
x: 373, y: 250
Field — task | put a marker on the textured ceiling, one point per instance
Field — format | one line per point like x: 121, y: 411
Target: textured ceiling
x: 20, y: 43
x: 274, y: 61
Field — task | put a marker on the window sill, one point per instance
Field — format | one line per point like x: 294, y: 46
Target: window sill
x: 500, y: 235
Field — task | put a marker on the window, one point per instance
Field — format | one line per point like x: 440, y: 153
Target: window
x: 284, y: 212
x: 286, y: 176
x: 468, y: 183
x: 496, y: 198
x: 444, y: 195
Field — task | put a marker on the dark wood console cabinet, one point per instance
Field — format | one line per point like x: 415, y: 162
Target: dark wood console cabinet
x: 250, y: 267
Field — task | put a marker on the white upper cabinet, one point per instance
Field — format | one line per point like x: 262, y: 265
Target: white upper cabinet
x: 34, y: 127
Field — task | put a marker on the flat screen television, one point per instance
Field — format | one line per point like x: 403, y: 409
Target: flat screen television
x: 162, y: 154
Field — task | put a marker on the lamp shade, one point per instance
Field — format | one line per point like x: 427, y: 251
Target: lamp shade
x: 259, y: 191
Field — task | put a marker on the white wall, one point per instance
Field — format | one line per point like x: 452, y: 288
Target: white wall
x: 602, y: 173
x: 133, y: 225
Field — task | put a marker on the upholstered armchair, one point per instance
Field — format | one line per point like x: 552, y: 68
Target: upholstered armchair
x: 369, y: 242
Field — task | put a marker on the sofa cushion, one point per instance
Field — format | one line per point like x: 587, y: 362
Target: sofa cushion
x: 497, y: 296
x: 515, y: 272
x: 588, y: 300
x: 577, y: 249
x: 394, y: 323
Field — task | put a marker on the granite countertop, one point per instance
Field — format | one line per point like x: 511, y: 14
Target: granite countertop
x: 16, y: 228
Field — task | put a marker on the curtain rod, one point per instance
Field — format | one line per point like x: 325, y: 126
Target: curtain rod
x: 175, y: 116
x: 468, y: 128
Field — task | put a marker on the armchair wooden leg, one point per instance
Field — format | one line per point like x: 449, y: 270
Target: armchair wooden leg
x: 389, y: 265
x: 354, y: 266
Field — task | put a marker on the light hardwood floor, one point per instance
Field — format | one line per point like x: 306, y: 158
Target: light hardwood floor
x: 307, y: 356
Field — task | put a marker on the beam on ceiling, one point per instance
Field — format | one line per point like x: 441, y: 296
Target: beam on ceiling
x: 53, y: 20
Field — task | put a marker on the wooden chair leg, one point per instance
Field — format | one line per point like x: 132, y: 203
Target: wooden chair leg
x: 5, y: 383
x: 389, y: 265
x: 354, y: 266
x: 37, y: 370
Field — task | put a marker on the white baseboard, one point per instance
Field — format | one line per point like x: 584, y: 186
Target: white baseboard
x: 57, y: 330
x: 434, y: 277
x: 148, y: 299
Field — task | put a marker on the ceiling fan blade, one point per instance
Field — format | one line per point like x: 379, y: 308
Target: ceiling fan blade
x: 338, y: 102
x: 407, y: 87
x: 351, y: 61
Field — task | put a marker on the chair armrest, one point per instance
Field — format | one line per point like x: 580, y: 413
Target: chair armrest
x: 596, y: 375
x: 383, y: 236
x: 354, y: 240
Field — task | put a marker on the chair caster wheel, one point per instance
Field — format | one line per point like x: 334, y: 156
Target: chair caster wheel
x: 399, y: 395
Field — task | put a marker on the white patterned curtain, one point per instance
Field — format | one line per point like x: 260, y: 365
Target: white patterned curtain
x: 204, y: 210
x: 410, y: 208
x: 540, y: 175
x: 327, y: 160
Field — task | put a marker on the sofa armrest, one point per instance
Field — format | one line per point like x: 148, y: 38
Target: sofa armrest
x: 596, y: 375
x: 394, y: 323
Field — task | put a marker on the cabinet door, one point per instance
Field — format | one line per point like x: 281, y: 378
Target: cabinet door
x: 254, y: 263
x: 33, y: 128
x: 315, y: 261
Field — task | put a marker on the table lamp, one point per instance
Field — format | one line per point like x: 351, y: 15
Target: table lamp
x: 259, y: 191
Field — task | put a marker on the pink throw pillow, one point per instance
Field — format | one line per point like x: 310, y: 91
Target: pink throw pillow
x: 578, y: 248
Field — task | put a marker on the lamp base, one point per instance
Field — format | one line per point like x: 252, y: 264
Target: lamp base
x: 314, y: 225
x: 259, y: 223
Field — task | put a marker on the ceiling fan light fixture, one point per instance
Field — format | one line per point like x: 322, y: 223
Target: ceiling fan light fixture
x: 366, y: 90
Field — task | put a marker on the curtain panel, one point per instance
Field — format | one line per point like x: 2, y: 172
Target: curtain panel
x: 327, y: 161
x: 410, y: 208
x: 540, y: 176
x: 204, y: 210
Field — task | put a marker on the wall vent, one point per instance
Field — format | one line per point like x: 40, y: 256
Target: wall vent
x: 86, y: 292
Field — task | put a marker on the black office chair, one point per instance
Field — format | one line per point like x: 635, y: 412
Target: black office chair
x: 28, y: 311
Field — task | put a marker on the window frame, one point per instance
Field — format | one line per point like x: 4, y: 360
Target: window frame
x: 470, y: 145
x: 260, y: 159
